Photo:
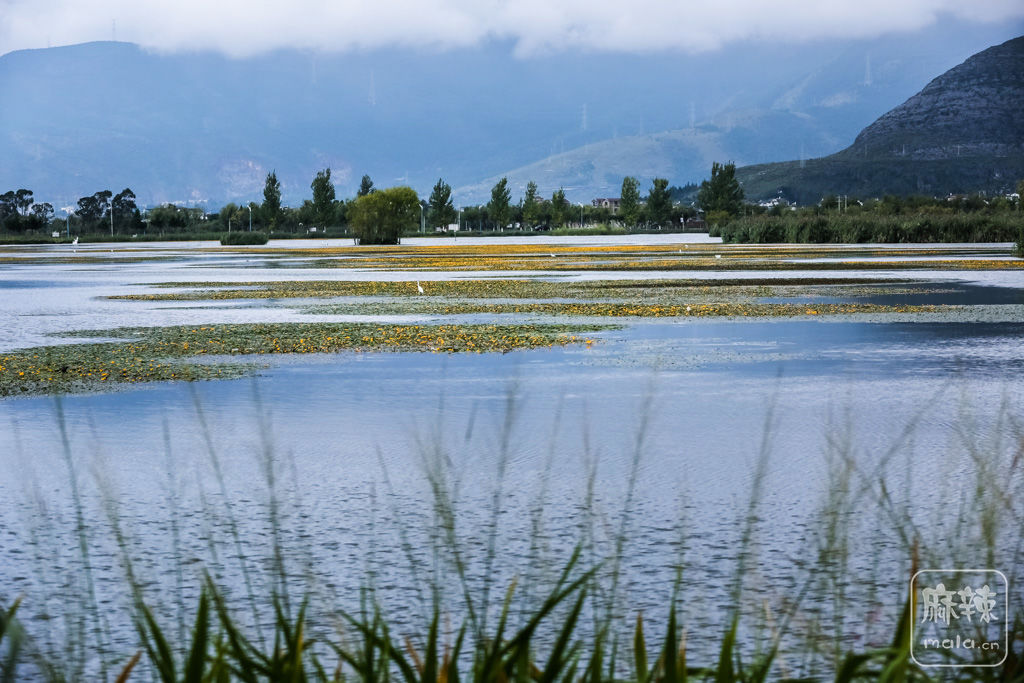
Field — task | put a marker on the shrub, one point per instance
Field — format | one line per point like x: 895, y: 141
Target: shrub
x: 861, y: 228
x: 243, y: 237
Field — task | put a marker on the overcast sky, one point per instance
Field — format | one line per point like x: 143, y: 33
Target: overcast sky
x: 246, y: 27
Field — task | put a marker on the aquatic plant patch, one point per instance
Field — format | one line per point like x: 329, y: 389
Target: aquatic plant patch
x: 481, y: 288
x: 151, y: 354
x: 601, y: 309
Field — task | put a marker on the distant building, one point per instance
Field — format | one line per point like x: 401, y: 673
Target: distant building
x: 775, y: 201
x: 610, y: 203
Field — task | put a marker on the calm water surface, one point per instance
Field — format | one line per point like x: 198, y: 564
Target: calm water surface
x: 686, y: 410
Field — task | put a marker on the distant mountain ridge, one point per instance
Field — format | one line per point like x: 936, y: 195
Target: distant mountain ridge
x: 964, y: 132
x: 200, y: 128
x: 810, y: 116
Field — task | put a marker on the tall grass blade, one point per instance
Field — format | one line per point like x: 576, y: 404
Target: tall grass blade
x: 725, y: 672
x: 195, y: 664
x: 559, y: 657
x: 640, y: 652
x: 127, y: 670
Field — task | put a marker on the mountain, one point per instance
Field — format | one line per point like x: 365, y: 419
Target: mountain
x: 814, y: 112
x: 597, y: 169
x: 964, y: 132
x: 202, y: 128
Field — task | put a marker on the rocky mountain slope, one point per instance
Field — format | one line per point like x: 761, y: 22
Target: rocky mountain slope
x: 964, y: 132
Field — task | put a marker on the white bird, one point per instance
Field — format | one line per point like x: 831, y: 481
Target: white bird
x: 74, y: 241
x: 718, y: 256
x: 552, y: 256
x: 419, y: 286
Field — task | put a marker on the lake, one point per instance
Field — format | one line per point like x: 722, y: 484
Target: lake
x: 662, y: 430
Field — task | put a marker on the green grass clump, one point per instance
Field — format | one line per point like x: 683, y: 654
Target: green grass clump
x: 242, y: 237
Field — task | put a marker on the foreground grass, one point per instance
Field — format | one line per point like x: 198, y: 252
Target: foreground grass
x: 576, y: 626
x: 163, y: 353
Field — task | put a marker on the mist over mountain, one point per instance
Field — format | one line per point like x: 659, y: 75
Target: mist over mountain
x: 202, y: 128
x: 964, y: 132
x: 813, y: 114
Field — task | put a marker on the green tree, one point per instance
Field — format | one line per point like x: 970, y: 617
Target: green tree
x: 659, y: 203
x: 498, y: 208
x: 559, y: 208
x: 440, y: 211
x: 23, y: 200
x: 8, y: 205
x: 43, y: 213
x: 722, y: 192
x: 365, y: 187
x: 124, y: 209
x: 381, y: 216
x: 92, y: 209
x: 271, y: 208
x: 629, y: 201
x: 531, y: 206
x: 323, y: 197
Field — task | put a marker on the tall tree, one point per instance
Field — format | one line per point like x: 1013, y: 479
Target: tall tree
x: 381, y: 217
x: 23, y: 200
x: 271, y: 209
x: 365, y: 187
x: 629, y: 201
x: 559, y: 208
x: 43, y: 212
x: 722, y: 192
x: 659, y: 203
x: 499, y: 208
x: 323, y: 197
x: 124, y: 209
x: 440, y: 210
x: 531, y: 206
x: 93, y: 208
x: 8, y: 205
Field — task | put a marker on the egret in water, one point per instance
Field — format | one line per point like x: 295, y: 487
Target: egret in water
x: 718, y: 256
x: 74, y: 241
x: 419, y: 286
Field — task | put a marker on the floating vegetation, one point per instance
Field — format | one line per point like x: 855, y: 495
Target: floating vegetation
x: 152, y: 354
x: 630, y: 298
x: 484, y: 289
x: 679, y: 256
x: 637, y: 310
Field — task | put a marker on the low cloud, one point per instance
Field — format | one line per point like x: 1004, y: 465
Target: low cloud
x: 243, y: 27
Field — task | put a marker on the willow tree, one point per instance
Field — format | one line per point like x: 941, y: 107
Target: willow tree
x: 382, y: 216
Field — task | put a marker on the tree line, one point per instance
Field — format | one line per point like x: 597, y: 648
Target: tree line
x: 372, y: 215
